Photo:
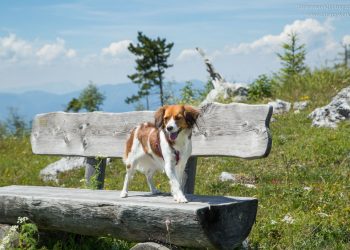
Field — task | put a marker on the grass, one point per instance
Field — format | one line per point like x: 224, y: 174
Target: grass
x: 303, y: 186
x: 306, y: 177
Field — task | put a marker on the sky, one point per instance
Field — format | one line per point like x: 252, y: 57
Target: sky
x: 59, y: 46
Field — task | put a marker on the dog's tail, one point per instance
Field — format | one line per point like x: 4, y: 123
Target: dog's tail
x: 128, y: 147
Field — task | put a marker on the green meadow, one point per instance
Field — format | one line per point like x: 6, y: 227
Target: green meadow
x: 302, y: 186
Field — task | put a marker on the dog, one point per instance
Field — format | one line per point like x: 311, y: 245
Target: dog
x: 164, y: 145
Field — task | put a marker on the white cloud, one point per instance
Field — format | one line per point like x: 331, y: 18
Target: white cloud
x: 71, y: 53
x: 310, y: 31
x: 50, y: 52
x: 187, y: 54
x: 117, y: 49
x: 12, y: 48
x: 346, y: 39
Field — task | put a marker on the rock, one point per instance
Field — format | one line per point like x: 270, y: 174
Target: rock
x: 280, y: 106
x: 51, y: 171
x: 149, y: 246
x: 223, y: 89
x: 337, y: 110
x: 300, y: 105
x: 225, y: 176
x: 9, y: 237
x: 4, y: 229
x: 242, y: 179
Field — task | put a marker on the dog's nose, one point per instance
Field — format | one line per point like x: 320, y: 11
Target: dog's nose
x: 169, y: 128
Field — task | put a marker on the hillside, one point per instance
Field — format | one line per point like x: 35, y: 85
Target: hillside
x: 302, y: 186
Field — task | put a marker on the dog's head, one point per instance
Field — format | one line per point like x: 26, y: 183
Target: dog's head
x: 174, y: 118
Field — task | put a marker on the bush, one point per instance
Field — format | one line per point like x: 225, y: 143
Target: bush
x: 261, y: 88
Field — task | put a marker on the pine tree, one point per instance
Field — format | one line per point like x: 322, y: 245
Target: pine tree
x: 293, y: 58
x: 89, y: 99
x: 151, y: 62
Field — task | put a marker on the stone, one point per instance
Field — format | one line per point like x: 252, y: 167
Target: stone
x: 225, y: 176
x: 280, y: 106
x: 51, y: 171
x: 300, y: 105
x: 149, y: 246
x: 4, y: 229
x: 337, y: 110
x: 245, y: 180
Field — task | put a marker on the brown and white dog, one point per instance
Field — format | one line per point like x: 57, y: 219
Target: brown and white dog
x: 165, y: 145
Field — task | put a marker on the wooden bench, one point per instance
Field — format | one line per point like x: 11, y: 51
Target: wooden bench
x: 237, y: 130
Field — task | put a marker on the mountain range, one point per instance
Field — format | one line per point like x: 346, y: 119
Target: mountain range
x: 30, y: 103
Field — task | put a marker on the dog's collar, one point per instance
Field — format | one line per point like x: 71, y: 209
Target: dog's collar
x: 176, y: 152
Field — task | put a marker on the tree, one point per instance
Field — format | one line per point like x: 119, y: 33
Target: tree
x: 207, y: 88
x: 293, y: 57
x: 74, y: 105
x: 89, y: 99
x: 189, y: 95
x: 151, y: 62
x: 16, y: 125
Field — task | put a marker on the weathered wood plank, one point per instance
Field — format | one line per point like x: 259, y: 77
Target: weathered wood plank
x: 235, y: 129
x: 204, y: 222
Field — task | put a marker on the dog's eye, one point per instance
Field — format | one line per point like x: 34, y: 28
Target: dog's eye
x: 178, y: 117
x: 166, y: 118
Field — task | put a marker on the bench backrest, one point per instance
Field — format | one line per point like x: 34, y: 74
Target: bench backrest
x: 238, y: 130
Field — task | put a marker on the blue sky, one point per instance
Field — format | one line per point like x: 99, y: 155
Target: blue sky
x: 58, y: 46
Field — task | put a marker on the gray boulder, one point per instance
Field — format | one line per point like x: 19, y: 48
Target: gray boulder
x: 280, y: 106
x: 300, y: 105
x: 337, y: 110
x: 51, y: 171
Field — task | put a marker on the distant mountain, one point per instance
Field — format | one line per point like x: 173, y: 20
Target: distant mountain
x: 35, y: 102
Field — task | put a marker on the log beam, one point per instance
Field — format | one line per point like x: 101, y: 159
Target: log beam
x: 204, y: 222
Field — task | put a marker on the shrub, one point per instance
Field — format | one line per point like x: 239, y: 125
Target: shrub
x: 261, y: 88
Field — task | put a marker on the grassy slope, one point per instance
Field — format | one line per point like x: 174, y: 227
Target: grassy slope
x: 301, y: 157
x: 306, y: 176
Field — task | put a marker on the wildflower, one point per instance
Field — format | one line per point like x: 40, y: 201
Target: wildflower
x: 288, y: 219
x: 307, y: 188
x: 273, y: 222
x: 22, y: 220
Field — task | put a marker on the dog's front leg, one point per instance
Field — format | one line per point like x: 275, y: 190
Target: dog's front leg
x: 174, y: 182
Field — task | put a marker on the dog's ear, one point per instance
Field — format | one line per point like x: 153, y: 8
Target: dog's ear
x: 158, y: 117
x: 191, y: 115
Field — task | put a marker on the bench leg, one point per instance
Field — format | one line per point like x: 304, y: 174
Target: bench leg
x: 190, y: 172
x: 93, y: 164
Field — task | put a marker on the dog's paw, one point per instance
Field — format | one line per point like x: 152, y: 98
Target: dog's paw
x: 180, y: 199
x: 123, y: 194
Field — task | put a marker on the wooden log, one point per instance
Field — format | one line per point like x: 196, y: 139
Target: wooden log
x: 93, y: 165
x: 204, y: 222
x: 236, y: 129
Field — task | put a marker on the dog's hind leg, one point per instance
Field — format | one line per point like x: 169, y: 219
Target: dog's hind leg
x: 128, y: 177
x: 152, y: 188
